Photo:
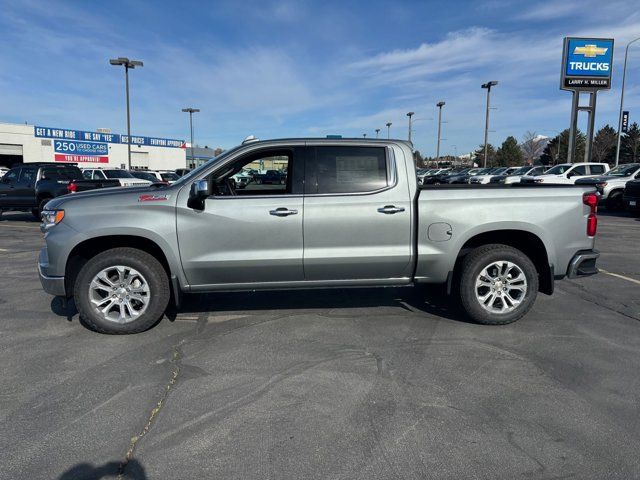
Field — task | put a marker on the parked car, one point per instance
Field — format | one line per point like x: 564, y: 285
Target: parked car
x: 568, y: 173
x: 364, y: 222
x: 123, y: 176
x: 611, y: 184
x: 486, y: 177
x: 631, y: 196
x: 242, y: 179
x: 155, y: 176
x: 3, y: 170
x: 30, y: 186
x: 515, y: 175
x: 181, y: 172
x: 270, y: 177
x: 438, y: 178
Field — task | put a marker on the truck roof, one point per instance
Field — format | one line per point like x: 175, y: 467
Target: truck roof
x: 372, y: 141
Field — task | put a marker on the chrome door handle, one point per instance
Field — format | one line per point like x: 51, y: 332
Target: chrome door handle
x: 390, y: 209
x: 282, y: 212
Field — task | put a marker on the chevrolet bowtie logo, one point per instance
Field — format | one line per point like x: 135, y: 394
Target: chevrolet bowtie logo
x: 590, y: 51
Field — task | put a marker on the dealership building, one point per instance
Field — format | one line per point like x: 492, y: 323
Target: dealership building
x: 23, y: 143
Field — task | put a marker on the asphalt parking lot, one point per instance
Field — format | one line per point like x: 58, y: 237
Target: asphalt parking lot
x: 353, y: 384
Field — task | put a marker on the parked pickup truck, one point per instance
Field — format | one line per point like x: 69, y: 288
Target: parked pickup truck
x: 350, y: 213
x: 30, y: 186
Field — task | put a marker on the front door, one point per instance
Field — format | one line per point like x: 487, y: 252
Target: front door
x: 25, y: 190
x: 357, y: 215
x: 8, y: 184
x: 246, y: 233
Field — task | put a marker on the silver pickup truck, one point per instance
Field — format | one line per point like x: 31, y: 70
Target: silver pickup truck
x: 348, y: 213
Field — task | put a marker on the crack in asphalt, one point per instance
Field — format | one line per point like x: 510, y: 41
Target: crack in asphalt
x: 580, y: 291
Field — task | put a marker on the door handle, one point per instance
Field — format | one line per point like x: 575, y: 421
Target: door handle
x: 282, y: 212
x: 390, y: 209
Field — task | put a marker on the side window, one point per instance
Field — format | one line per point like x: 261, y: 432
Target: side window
x: 596, y: 169
x: 345, y: 169
x: 11, y: 176
x: 87, y: 174
x: 99, y: 175
x: 578, y: 171
x: 28, y: 176
x: 269, y: 172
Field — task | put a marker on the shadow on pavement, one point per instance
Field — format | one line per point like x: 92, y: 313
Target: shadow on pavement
x: 85, y: 471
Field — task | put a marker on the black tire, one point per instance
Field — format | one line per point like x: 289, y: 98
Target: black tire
x: 147, y: 265
x: 615, y: 202
x: 41, y: 203
x: 472, y: 266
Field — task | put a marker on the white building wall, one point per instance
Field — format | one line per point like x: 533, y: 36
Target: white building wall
x: 36, y: 149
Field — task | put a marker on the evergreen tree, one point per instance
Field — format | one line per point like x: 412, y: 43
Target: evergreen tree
x: 491, y: 155
x: 604, y: 145
x: 630, y: 145
x: 509, y: 153
x: 556, y: 150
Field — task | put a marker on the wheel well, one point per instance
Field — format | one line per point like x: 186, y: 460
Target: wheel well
x: 82, y: 252
x: 527, y: 242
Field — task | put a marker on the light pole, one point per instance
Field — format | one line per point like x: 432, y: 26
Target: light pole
x: 128, y: 64
x: 364, y: 135
x: 488, y: 86
x: 624, y: 75
x: 389, y: 129
x: 191, y: 111
x: 377, y: 132
x: 439, y: 105
x: 410, y: 114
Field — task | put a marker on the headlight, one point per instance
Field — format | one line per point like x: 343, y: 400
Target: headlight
x: 51, y: 218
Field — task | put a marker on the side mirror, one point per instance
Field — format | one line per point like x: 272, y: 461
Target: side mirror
x: 197, y: 195
x: 570, y: 174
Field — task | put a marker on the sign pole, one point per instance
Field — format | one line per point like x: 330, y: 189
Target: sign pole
x: 571, y: 146
x: 590, y: 125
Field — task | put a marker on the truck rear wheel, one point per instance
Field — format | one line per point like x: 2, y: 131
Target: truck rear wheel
x: 121, y: 291
x: 497, y: 284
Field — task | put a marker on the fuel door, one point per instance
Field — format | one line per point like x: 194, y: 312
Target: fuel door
x: 439, y: 232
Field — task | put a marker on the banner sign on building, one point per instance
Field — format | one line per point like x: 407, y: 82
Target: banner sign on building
x: 74, y: 151
x: 80, y: 135
x: 625, y: 121
x: 587, y: 64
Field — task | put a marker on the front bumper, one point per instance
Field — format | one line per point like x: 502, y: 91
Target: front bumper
x: 51, y: 285
x: 583, y: 264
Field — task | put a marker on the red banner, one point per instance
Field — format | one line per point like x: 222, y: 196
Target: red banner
x: 81, y: 158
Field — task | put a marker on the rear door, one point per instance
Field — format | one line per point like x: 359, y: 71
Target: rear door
x: 357, y: 222
x: 25, y: 191
x: 249, y: 235
x: 8, y: 184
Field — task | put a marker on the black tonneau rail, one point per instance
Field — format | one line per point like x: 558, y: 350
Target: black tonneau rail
x: 445, y: 186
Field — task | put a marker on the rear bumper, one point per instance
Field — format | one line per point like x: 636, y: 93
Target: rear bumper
x: 583, y: 264
x: 51, y: 285
x: 631, y: 202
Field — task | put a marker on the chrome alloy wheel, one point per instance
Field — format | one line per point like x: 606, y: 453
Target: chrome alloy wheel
x: 120, y: 294
x: 500, y: 287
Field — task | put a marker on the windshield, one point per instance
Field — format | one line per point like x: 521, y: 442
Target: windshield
x: 499, y: 171
x: 558, y: 169
x: 195, y: 173
x: 145, y: 176
x: 117, y: 174
x: 623, y: 170
x: 521, y: 171
x: 169, y: 176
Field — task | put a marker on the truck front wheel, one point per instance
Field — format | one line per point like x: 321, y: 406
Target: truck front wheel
x: 121, y: 291
x: 497, y: 284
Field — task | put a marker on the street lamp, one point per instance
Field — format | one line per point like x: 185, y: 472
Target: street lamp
x: 624, y: 75
x: 439, y: 105
x: 488, y: 86
x: 191, y: 111
x: 128, y: 64
x: 377, y: 132
x: 364, y: 135
x: 389, y: 129
x: 410, y: 114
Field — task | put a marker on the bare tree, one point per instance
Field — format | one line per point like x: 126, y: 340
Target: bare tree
x: 532, y: 147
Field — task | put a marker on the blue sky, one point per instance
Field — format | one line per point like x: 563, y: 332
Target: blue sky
x: 306, y: 68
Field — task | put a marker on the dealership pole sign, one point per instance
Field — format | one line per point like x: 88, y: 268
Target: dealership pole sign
x: 587, y: 64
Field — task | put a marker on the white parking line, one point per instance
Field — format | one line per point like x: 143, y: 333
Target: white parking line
x: 617, y: 275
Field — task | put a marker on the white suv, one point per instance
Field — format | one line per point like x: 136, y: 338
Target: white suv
x: 124, y: 177
x: 568, y: 173
x: 611, y: 185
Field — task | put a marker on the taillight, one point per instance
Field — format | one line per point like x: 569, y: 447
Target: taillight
x: 591, y: 200
x: 72, y: 187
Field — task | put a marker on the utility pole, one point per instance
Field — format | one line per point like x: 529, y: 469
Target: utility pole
x: 624, y: 75
x: 128, y: 64
x: 389, y: 130
x: 410, y: 114
x: 191, y: 111
x: 488, y: 86
x: 439, y: 105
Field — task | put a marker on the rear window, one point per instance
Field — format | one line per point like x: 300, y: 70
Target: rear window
x: 347, y: 169
x: 62, y: 173
x: 117, y: 174
x: 596, y: 169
